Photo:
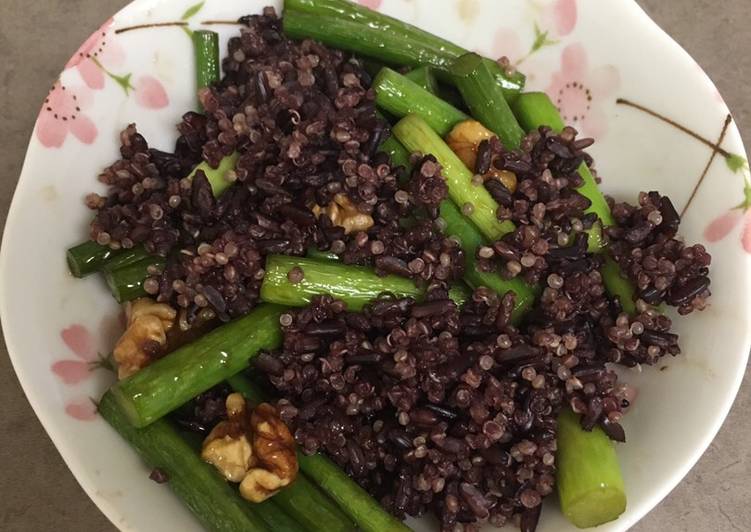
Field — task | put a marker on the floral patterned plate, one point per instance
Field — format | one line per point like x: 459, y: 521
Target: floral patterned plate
x: 659, y: 122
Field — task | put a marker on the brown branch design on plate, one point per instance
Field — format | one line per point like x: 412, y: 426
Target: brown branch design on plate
x: 734, y: 162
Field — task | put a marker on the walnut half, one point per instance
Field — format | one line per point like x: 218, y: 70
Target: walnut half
x: 145, y: 335
x: 342, y: 212
x: 464, y: 140
x: 254, y: 448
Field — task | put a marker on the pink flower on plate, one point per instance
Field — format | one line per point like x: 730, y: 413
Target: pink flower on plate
x: 507, y: 42
x: 724, y: 224
x: 150, y: 93
x: 721, y: 226
x: 62, y: 114
x: 580, y: 92
x: 82, y: 344
x: 82, y: 409
x: 100, y: 49
x: 372, y: 4
x: 558, y: 18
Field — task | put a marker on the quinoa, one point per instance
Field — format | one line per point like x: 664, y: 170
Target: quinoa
x: 541, y: 199
x: 662, y: 267
x: 438, y: 410
x: 204, y: 411
x: 302, y: 119
x: 453, y: 412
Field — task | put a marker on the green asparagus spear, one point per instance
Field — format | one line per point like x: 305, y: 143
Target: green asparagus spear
x: 120, y: 267
x: 355, y: 501
x: 475, y: 79
x: 276, y: 518
x: 475, y: 201
x: 590, y: 485
x: 589, y: 481
x: 471, y: 240
x: 198, y: 484
x: 424, y: 77
x: 617, y: 284
x: 380, y: 36
x: 315, y: 253
x: 401, y: 96
x: 126, y: 283
x: 90, y: 257
x: 171, y: 381
x: 355, y: 285
x: 218, y: 176
x: 355, y: 37
x: 398, y: 153
x: 534, y: 110
x: 208, y: 64
x: 304, y: 502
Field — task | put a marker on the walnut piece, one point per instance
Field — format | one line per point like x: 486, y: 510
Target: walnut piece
x: 145, y: 335
x: 227, y: 447
x: 342, y: 212
x: 231, y: 456
x: 254, y: 448
x: 464, y: 139
x: 274, y: 449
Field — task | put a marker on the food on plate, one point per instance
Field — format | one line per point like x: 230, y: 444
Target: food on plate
x: 376, y: 279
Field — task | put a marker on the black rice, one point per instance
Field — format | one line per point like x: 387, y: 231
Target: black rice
x: 302, y: 119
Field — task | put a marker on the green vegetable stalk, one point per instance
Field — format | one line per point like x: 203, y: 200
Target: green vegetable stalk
x: 218, y: 176
x: 199, y: 485
x: 589, y: 481
x: 534, y: 110
x: 474, y: 77
x: 398, y: 153
x: 355, y: 285
x: 126, y: 283
x: 475, y: 201
x: 190, y: 370
x: 471, y: 240
x: 90, y: 257
x: 400, y: 96
x: 425, y: 78
x: 208, y: 63
x: 351, y: 27
x: 305, y: 503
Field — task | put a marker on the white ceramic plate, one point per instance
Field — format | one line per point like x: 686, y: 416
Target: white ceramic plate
x: 55, y: 325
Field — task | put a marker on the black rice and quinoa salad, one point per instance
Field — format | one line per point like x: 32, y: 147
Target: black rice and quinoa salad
x: 433, y: 407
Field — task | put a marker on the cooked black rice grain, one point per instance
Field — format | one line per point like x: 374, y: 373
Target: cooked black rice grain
x: 544, y: 205
x: 438, y: 410
x: 159, y: 475
x: 204, y: 411
x: 302, y: 119
x: 662, y: 267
